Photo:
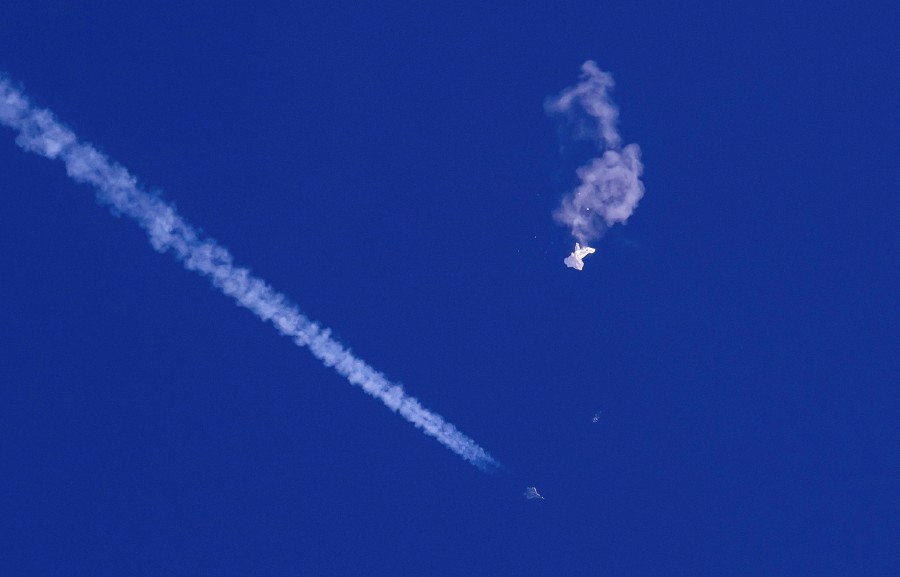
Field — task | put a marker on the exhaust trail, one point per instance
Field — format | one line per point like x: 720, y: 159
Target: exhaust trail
x: 40, y: 133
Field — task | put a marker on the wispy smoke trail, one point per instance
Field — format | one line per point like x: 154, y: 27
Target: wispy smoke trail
x: 610, y: 185
x: 39, y: 132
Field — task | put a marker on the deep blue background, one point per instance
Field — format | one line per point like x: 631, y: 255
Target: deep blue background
x: 388, y: 165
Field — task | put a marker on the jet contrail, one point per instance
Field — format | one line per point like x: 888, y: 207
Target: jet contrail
x: 610, y: 185
x: 41, y: 133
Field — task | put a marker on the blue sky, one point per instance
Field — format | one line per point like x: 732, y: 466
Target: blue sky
x: 390, y: 167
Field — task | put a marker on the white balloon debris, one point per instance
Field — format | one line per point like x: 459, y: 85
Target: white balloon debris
x: 574, y: 259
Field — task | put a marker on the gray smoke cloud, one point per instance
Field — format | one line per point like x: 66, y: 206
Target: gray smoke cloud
x: 610, y: 186
x: 39, y: 132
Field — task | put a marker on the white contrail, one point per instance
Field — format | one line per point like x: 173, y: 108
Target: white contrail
x: 610, y: 185
x: 39, y: 132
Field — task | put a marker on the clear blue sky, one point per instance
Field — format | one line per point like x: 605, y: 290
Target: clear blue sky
x: 390, y: 167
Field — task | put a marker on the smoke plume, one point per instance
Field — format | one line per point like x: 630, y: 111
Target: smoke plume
x: 609, y: 186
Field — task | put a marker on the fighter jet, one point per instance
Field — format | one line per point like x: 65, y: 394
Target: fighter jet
x: 531, y: 493
x: 574, y: 259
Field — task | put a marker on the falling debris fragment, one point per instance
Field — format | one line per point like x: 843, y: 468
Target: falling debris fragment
x: 574, y: 259
x: 532, y: 493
